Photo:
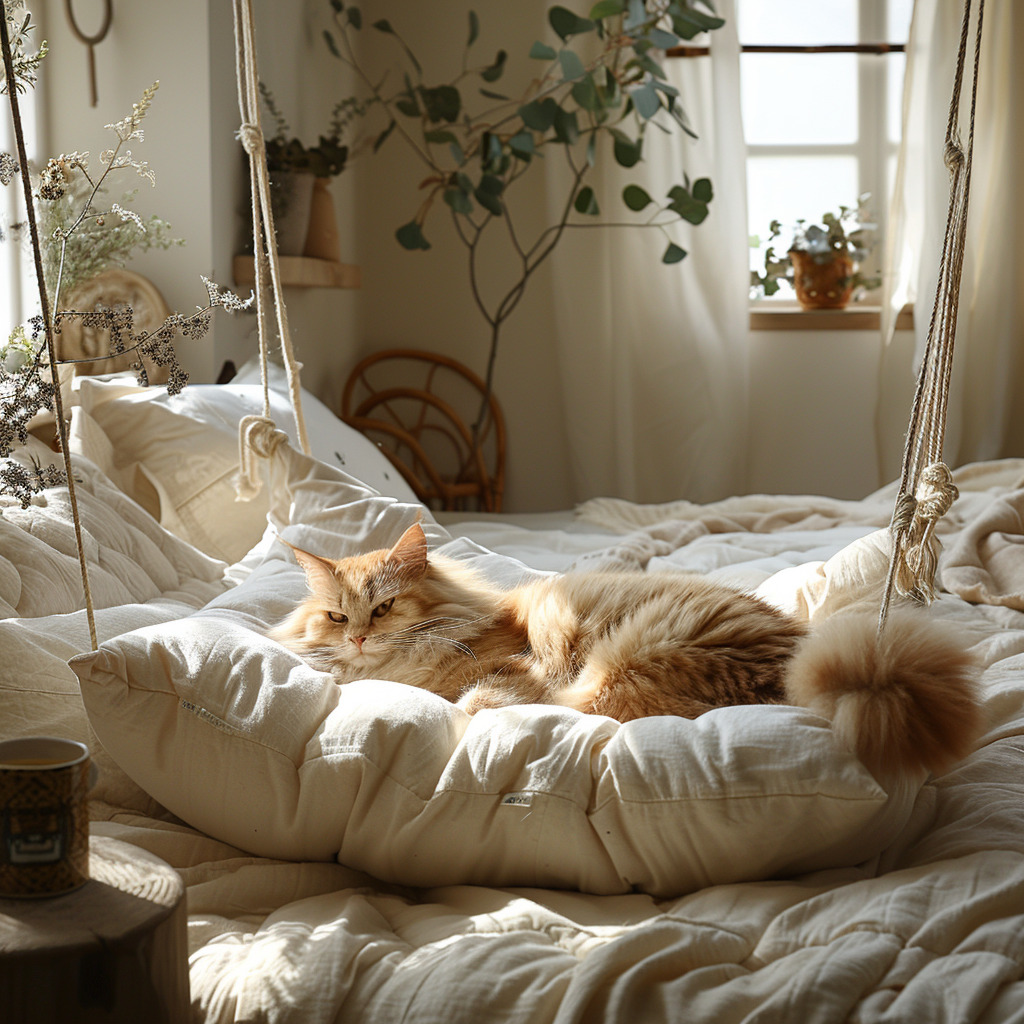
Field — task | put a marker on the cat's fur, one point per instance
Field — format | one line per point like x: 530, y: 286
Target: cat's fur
x: 629, y: 645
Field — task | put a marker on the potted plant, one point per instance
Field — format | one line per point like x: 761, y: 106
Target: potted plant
x: 299, y: 178
x: 823, y: 261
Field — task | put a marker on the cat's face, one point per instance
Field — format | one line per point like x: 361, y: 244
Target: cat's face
x: 362, y: 608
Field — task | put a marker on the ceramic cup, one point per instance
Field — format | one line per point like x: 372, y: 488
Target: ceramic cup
x: 44, y: 821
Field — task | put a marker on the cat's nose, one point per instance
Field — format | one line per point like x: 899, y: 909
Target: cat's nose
x: 358, y: 641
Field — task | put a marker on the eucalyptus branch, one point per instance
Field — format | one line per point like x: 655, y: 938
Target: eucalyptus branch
x: 477, y: 159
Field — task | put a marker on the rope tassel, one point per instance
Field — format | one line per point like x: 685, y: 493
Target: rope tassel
x: 927, y: 490
x: 915, y: 546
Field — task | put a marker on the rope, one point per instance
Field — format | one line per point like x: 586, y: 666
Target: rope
x: 926, y: 485
x: 252, y: 442
x: 44, y: 303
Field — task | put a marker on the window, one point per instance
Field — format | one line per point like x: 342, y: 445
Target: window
x: 822, y: 127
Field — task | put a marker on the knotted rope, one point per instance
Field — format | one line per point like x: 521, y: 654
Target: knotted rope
x: 926, y: 486
x: 257, y: 436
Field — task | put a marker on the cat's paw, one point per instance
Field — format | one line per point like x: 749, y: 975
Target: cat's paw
x: 481, y: 697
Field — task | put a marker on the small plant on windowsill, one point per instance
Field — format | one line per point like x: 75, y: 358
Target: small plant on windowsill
x: 823, y: 262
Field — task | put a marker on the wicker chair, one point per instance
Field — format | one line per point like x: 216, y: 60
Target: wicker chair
x: 419, y: 408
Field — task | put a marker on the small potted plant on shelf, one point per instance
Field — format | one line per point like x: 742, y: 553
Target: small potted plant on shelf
x: 299, y: 176
x: 823, y: 262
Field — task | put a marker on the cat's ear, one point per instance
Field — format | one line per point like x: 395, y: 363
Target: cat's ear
x: 319, y: 572
x: 410, y: 552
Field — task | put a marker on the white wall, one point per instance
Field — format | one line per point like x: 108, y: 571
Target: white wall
x: 813, y: 394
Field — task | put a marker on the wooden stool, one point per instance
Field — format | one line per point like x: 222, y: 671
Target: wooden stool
x: 114, y: 950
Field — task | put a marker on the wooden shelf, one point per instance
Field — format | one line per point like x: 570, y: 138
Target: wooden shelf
x: 786, y: 317
x: 303, y: 272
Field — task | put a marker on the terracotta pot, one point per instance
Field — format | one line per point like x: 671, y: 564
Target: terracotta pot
x: 822, y: 282
x: 322, y: 240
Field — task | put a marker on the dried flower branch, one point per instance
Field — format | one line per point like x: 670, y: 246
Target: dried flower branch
x: 25, y: 64
x: 84, y: 238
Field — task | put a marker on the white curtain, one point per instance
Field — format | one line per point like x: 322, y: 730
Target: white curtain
x: 985, y: 414
x: 653, y: 357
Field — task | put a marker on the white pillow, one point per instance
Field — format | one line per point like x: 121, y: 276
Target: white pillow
x: 241, y: 739
x: 177, y: 455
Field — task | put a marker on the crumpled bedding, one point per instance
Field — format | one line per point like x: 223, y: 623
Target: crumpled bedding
x: 929, y: 929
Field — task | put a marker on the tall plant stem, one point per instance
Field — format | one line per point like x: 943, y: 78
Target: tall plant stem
x: 62, y: 430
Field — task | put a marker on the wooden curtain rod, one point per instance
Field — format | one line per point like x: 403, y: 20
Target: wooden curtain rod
x: 872, y: 48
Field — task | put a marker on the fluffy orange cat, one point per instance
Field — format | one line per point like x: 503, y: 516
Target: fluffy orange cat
x: 629, y: 645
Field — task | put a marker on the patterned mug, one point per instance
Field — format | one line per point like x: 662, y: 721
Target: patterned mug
x: 44, y: 820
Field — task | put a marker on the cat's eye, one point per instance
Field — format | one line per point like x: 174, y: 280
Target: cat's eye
x: 337, y: 617
x: 383, y: 608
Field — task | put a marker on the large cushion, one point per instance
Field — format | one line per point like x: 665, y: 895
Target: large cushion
x: 177, y: 455
x: 241, y: 739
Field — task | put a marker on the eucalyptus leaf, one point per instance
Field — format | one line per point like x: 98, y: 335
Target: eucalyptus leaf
x: 673, y: 254
x: 686, y: 206
x: 541, y: 51
x: 586, y: 202
x: 441, y: 102
x: 522, y: 145
x: 410, y: 236
x: 539, y: 114
x: 663, y: 40
x: 645, y: 99
x: 702, y: 190
x: 494, y: 71
x: 355, y: 17
x: 606, y: 9
x: 438, y: 135
x: 331, y: 44
x: 566, y: 23
x: 627, y: 151
x: 636, y: 198
x: 690, y: 22
x: 491, y: 95
x: 572, y: 66
x: 491, y: 203
x: 474, y: 29
x: 567, y: 129
x: 458, y: 201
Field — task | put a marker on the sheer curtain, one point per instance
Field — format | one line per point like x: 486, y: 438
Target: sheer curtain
x: 985, y: 415
x: 653, y: 358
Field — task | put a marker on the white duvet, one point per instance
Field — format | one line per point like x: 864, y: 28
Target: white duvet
x: 928, y: 927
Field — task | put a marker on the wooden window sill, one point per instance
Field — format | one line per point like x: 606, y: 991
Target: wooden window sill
x: 790, y: 317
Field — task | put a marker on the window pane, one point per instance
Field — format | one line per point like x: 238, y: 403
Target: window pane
x: 796, y: 22
x: 896, y: 65
x: 788, y: 189
x: 803, y: 98
x: 899, y: 20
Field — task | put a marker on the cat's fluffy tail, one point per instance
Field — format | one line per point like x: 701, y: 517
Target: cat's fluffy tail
x: 904, y: 702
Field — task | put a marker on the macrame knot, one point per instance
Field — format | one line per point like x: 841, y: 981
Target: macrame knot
x: 918, y: 548
x: 903, y: 514
x: 258, y: 437
x: 251, y: 137
x: 953, y: 155
x: 936, y: 491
